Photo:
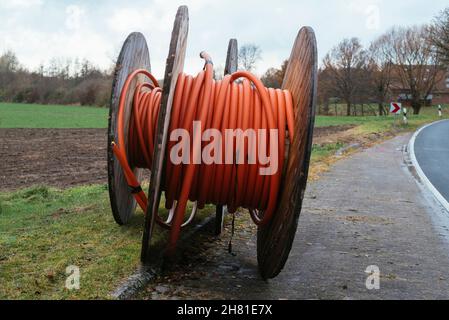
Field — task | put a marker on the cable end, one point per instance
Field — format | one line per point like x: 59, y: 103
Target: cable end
x: 204, y: 55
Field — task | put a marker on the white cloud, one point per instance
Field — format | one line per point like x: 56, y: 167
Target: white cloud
x: 34, y: 47
x: 125, y: 19
x: 20, y: 3
x: 96, y: 30
x: 74, y: 17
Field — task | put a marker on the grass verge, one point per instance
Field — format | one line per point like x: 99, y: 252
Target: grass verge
x: 44, y: 230
x: 366, y: 132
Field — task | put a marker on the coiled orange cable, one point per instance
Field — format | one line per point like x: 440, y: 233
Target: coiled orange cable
x: 220, y: 105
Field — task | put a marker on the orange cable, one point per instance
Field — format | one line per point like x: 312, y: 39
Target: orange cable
x: 220, y: 105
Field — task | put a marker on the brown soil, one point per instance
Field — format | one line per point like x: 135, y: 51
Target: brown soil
x: 334, y: 134
x: 54, y: 157
x: 67, y: 157
x: 321, y: 132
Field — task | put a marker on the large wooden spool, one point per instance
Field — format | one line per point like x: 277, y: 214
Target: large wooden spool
x: 274, y: 241
x: 134, y: 55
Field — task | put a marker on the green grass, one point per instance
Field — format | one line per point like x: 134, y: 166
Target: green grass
x: 383, y: 123
x: 364, y: 127
x: 14, y: 115
x: 321, y: 152
x: 45, y: 230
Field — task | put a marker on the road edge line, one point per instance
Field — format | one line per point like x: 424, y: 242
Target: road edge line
x: 420, y: 172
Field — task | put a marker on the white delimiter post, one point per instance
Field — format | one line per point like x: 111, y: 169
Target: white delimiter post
x: 405, y: 116
x: 440, y: 114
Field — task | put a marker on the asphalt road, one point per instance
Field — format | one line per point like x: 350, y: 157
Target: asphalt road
x: 432, y: 154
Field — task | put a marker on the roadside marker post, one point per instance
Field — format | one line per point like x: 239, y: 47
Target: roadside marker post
x: 440, y: 113
x: 395, y: 108
x: 405, y: 116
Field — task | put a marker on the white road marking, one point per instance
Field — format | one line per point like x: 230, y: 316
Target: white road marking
x: 420, y: 172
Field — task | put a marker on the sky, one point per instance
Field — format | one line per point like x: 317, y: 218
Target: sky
x: 39, y: 30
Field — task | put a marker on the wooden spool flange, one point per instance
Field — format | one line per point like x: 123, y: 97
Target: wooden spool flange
x: 275, y: 240
x: 230, y: 67
x: 174, y: 66
x: 134, y: 55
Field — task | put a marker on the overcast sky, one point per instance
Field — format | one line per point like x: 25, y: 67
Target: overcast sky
x: 37, y: 30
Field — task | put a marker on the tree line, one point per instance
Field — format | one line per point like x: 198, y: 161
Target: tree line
x: 410, y: 60
x: 59, y: 82
x: 75, y: 82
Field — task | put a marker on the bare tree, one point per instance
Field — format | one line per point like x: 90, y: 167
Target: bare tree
x: 439, y: 34
x: 274, y: 77
x: 417, y: 64
x: 249, y: 54
x: 344, y: 63
x: 381, y: 66
x: 9, y: 68
x: 62, y: 81
x: 9, y: 62
x: 326, y: 90
x: 363, y: 93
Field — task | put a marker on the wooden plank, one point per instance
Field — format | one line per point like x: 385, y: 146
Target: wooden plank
x: 174, y: 66
x: 230, y: 67
x: 232, y: 57
x: 275, y: 240
x: 134, y: 55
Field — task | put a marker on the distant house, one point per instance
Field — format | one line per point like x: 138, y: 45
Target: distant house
x: 439, y: 94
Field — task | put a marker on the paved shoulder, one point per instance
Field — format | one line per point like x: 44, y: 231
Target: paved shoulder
x: 366, y: 211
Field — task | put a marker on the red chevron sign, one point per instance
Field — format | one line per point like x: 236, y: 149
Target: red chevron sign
x: 395, y: 107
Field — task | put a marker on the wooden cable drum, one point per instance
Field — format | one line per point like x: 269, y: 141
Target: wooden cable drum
x: 275, y: 237
x: 134, y: 55
x: 275, y: 240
